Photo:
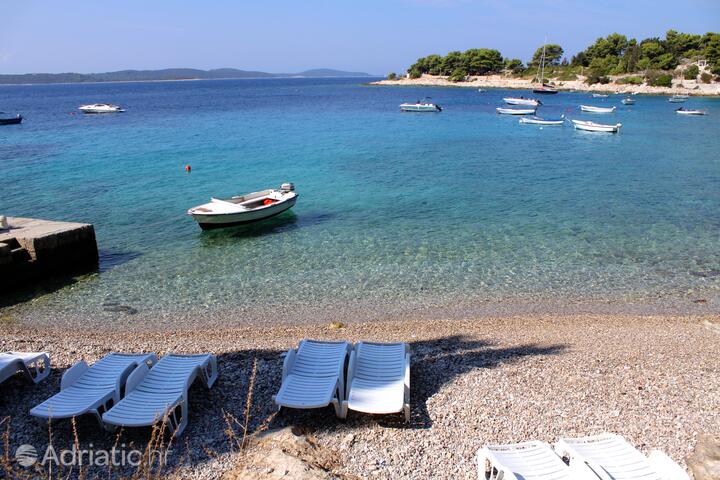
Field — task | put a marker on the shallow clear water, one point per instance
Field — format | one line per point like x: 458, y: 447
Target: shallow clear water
x: 395, y: 209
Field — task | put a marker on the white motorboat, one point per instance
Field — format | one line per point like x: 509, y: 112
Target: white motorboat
x: 100, y: 108
x: 522, y: 101
x: 678, y: 98
x: 242, y: 209
x: 420, y: 106
x: 687, y: 111
x: 596, y: 127
x: 516, y: 111
x: 543, y: 121
x: 591, y: 109
x: 599, y: 95
x: 628, y: 101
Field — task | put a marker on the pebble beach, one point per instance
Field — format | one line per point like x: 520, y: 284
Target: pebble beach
x: 653, y: 379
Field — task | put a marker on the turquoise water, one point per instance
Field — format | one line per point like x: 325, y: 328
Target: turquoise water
x: 396, y: 211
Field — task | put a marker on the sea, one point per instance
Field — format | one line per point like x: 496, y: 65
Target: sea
x: 442, y: 214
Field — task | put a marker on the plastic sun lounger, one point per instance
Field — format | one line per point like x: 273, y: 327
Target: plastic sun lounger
x: 378, y: 379
x: 533, y: 460
x: 160, y: 394
x: 35, y: 365
x: 611, y: 457
x: 95, y: 389
x: 313, y: 376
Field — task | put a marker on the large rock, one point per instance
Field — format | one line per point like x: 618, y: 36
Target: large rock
x: 705, y: 460
x: 286, y: 454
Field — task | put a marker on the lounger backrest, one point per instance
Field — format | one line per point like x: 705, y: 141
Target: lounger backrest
x: 529, y: 460
x: 319, y: 359
x: 173, y: 373
x: 610, y: 452
x: 110, y: 370
x: 384, y: 361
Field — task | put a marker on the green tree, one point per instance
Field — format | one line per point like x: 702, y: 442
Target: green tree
x: 651, y: 48
x: 458, y: 75
x: 451, y: 62
x: 392, y: 76
x: 553, y: 55
x: 630, y: 57
x: 666, y: 61
x: 480, y: 61
x: 691, y: 72
x: 514, y: 65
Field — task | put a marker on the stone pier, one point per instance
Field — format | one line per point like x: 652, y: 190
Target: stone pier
x: 33, y: 250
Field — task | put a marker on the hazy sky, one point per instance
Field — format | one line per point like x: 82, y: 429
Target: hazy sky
x: 375, y: 36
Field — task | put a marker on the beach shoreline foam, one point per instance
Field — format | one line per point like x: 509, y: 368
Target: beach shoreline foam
x: 653, y: 379
x: 507, y: 82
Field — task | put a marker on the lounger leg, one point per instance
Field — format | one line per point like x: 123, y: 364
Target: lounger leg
x: 338, y: 408
x: 178, y: 428
x: 406, y: 409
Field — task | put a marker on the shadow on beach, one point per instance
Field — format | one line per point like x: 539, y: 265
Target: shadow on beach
x: 217, y: 416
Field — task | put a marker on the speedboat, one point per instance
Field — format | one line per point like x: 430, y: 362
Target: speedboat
x: 596, y: 127
x: 686, y: 111
x: 522, y: 101
x: 628, y: 101
x: 591, y: 109
x: 543, y: 121
x: 242, y: 209
x: 10, y: 120
x: 599, y: 95
x: 100, y: 108
x: 516, y: 111
x: 420, y: 106
x: 678, y: 98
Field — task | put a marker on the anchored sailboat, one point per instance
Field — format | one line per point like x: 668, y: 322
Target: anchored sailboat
x: 543, y: 88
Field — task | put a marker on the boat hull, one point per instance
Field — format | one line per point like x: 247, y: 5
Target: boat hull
x: 535, y: 121
x: 512, y: 111
x: 544, y: 91
x: 11, y: 121
x: 596, y: 127
x: 522, y: 101
x: 210, y: 222
x: 419, y: 108
x: 589, y: 109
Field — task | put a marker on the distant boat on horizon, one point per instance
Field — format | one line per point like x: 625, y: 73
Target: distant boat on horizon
x: 100, y: 108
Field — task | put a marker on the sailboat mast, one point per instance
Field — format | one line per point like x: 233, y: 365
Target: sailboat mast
x: 542, y: 64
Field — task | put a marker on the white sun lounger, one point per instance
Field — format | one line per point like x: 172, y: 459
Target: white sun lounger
x: 93, y: 390
x: 533, y: 460
x: 313, y: 376
x: 35, y: 365
x: 160, y: 394
x: 613, y: 458
x: 378, y: 379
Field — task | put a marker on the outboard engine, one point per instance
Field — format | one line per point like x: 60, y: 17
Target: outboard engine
x: 287, y: 187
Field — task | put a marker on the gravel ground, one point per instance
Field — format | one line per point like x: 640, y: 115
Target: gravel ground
x: 653, y: 379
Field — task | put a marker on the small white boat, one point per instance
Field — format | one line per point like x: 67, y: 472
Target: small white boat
x: 543, y: 121
x: 420, y: 106
x: 480, y: 90
x: 686, y: 111
x: 678, y: 98
x: 248, y: 208
x: 599, y: 95
x: 522, y: 101
x: 628, y: 101
x: 516, y: 111
x: 591, y: 109
x: 596, y: 127
x: 100, y: 108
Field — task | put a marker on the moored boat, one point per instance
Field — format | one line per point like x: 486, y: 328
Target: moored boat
x: 543, y: 121
x: 596, y: 127
x: 516, y: 111
x: 544, y: 88
x: 522, y: 101
x: 10, y: 120
x: 678, y: 98
x: 100, y: 108
x: 688, y: 111
x: 420, y: 106
x: 628, y: 101
x: 243, y: 209
x: 591, y: 109
x: 599, y: 95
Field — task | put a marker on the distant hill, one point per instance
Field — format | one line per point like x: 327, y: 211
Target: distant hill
x: 166, y: 74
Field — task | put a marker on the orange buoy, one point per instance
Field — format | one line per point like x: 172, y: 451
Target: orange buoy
x: 188, y: 168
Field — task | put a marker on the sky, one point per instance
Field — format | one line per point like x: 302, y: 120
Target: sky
x: 284, y: 36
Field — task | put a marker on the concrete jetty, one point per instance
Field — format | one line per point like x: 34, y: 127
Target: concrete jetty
x: 32, y: 250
